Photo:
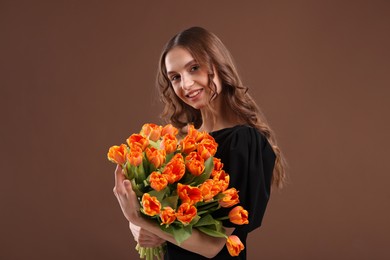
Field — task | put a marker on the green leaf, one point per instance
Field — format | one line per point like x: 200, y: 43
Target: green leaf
x: 155, y: 144
x: 212, y: 232
x: 136, y: 188
x: 159, y: 194
x: 208, y: 220
x: 170, y: 201
x: 187, y: 178
x: 139, y: 173
x: 181, y: 233
x: 129, y: 173
x: 194, y: 220
x: 208, y: 207
x: 211, y: 226
x: 167, y: 229
x: 219, y: 196
x: 169, y: 157
x: 145, y: 164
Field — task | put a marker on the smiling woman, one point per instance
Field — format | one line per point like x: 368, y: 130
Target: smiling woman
x: 189, y: 79
x: 199, y: 85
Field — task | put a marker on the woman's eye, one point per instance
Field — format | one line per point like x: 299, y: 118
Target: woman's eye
x: 194, y: 68
x: 175, y: 77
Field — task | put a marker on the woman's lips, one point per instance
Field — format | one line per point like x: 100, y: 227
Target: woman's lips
x: 194, y: 93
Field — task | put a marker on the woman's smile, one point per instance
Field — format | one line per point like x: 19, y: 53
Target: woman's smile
x: 194, y: 94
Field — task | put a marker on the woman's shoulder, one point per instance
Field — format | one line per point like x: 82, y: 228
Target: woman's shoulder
x: 240, y: 136
x: 238, y: 131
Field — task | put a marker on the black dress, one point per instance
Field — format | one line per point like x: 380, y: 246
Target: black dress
x: 249, y: 160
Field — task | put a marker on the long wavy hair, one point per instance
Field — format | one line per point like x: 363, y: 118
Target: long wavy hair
x: 208, y: 50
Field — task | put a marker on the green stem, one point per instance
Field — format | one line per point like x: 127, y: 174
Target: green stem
x: 135, y: 188
x: 222, y: 218
x: 207, y: 206
x: 149, y: 255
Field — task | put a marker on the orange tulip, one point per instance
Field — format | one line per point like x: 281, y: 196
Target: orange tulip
x: 167, y: 216
x: 200, y: 136
x: 151, y: 205
x: 169, y: 129
x: 234, y: 245
x: 214, y: 173
x: 238, y: 215
x: 218, y: 165
x: 186, y: 213
x: 209, y: 189
x: 230, y: 199
x: 158, y: 181
x: 195, y: 163
x: 134, y: 157
x: 169, y: 143
x: 151, y: 131
x: 188, y: 144
x: 175, y: 169
x: 117, y: 154
x: 189, y: 194
x: 222, y: 178
x: 192, y: 132
x: 137, y: 140
x: 203, y: 136
x: 207, y: 148
x: 155, y: 156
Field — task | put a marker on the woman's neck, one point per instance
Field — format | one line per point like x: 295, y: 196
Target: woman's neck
x: 219, y: 118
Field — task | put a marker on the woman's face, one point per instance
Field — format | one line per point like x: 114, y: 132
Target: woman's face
x: 188, y: 78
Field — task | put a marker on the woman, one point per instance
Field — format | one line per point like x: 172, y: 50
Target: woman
x: 199, y: 84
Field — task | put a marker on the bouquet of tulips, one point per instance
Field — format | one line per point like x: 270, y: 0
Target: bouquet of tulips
x: 179, y: 183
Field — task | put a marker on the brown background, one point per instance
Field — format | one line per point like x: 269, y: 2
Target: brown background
x: 78, y: 77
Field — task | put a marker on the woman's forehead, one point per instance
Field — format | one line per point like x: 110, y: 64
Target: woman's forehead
x: 177, y: 58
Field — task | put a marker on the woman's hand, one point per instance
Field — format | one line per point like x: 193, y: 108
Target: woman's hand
x: 130, y: 207
x: 147, y: 235
x: 126, y: 197
x: 145, y: 238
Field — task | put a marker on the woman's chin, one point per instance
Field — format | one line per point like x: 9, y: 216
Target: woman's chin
x: 197, y: 106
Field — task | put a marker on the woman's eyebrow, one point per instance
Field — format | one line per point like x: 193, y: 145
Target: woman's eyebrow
x: 185, y: 66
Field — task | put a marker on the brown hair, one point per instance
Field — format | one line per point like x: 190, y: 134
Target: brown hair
x: 208, y: 49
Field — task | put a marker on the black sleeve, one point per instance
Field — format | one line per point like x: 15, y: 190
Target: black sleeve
x: 250, y: 162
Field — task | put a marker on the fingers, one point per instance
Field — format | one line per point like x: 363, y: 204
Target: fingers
x: 144, y: 237
x: 126, y: 197
x: 119, y: 178
x: 149, y: 242
x: 128, y: 189
x: 147, y: 239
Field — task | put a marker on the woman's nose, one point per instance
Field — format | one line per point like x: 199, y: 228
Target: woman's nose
x: 187, y: 82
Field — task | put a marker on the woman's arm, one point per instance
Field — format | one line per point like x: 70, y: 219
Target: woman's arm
x: 145, y: 238
x: 198, y: 242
